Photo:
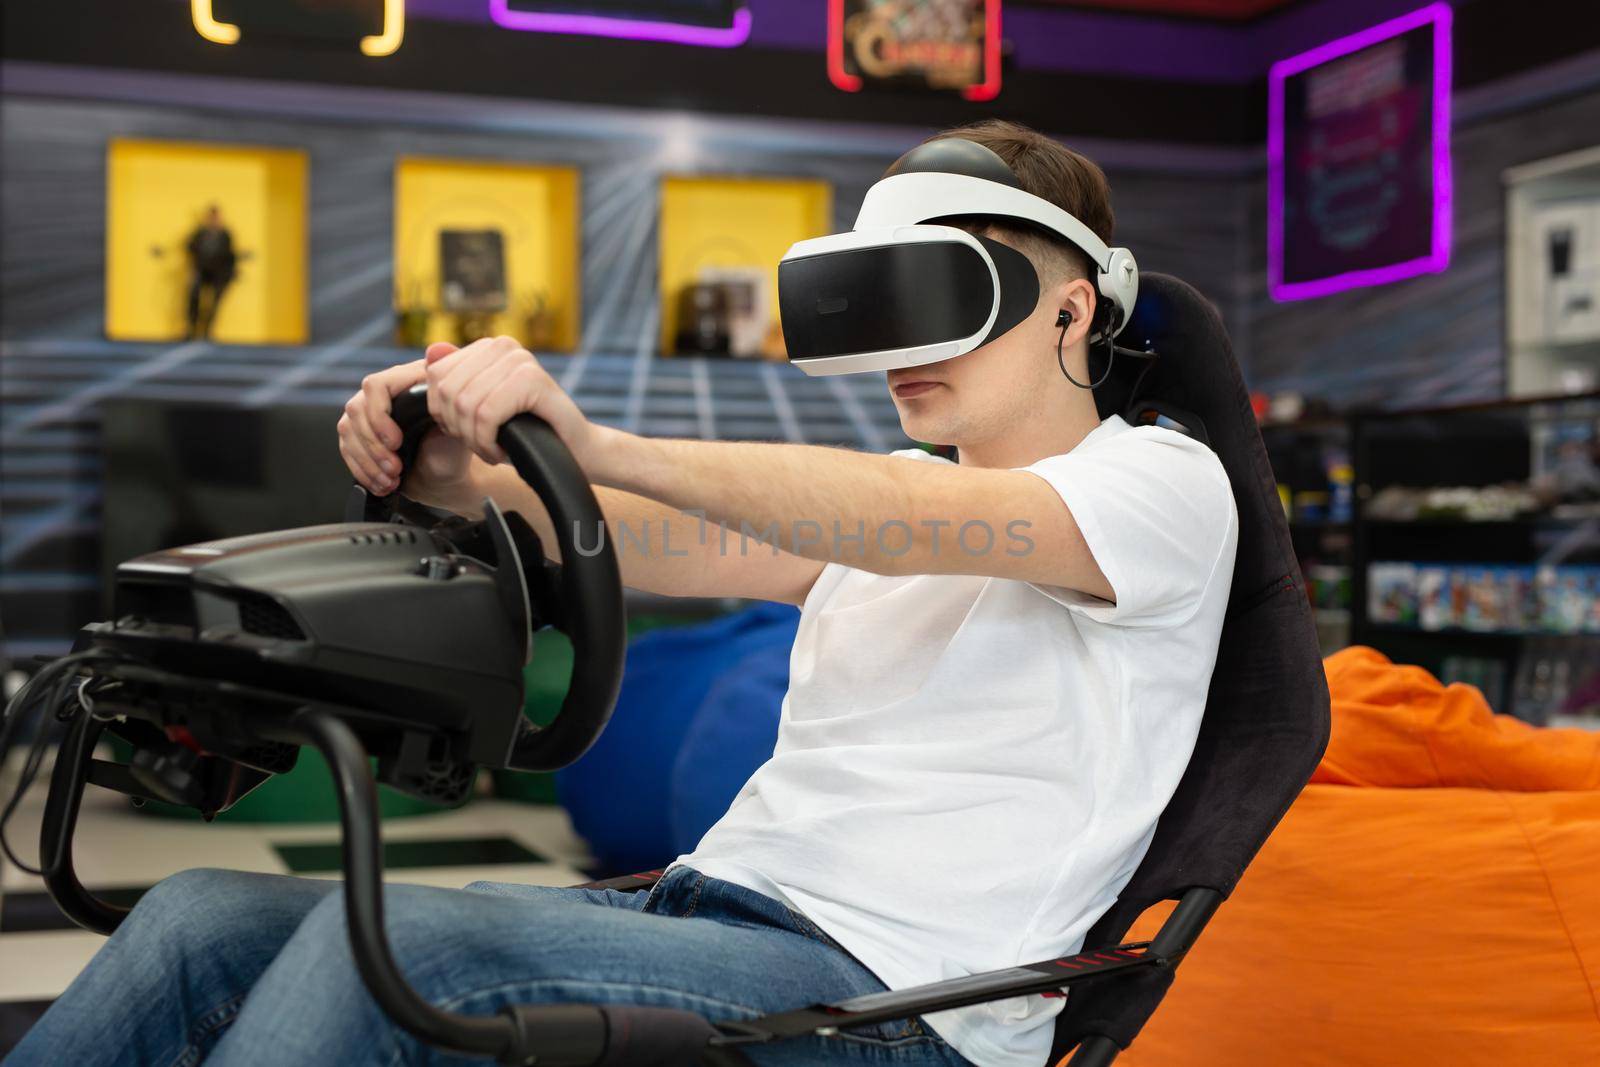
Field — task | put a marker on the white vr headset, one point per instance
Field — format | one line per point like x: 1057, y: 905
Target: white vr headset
x: 898, y: 292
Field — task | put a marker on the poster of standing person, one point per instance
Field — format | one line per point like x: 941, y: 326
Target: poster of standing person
x: 938, y: 45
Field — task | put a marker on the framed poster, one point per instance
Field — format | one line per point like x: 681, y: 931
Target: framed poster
x: 472, y: 271
x: 938, y: 45
x: 1358, y: 159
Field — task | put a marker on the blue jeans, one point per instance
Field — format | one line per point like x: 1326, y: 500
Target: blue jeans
x: 234, y: 968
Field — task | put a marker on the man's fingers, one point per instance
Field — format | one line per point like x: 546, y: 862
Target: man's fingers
x: 519, y: 384
x: 374, y: 415
x: 363, y: 468
x: 363, y: 435
x: 479, y: 416
x: 378, y: 390
x: 447, y: 377
x: 367, y: 425
x: 438, y: 369
x: 462, y: 386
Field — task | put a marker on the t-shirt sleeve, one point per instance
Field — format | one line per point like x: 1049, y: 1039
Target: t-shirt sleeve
x: 1158, y: 515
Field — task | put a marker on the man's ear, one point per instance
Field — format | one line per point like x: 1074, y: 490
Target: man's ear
x: 1075, y: 299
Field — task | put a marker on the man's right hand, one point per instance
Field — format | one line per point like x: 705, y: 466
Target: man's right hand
x: 369, y: 439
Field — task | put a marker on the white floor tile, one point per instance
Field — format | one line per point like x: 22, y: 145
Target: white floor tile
x: 39, y: 966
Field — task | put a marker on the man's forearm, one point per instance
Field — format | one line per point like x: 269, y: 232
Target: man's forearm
x: 875, y: 512
x: 660, y: 549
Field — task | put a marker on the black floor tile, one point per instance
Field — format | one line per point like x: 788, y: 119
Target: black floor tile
x: 431, y: 852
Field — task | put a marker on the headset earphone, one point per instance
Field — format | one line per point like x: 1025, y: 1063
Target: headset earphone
x: 1064, y: 320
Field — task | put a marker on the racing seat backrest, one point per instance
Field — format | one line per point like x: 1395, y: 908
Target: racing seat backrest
x: 1266, y: 719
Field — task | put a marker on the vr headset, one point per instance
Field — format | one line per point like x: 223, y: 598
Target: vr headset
x: 899, y: 290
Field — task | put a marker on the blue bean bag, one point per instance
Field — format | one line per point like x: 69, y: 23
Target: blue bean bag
x: 731, y: 735
x: 618, y: 794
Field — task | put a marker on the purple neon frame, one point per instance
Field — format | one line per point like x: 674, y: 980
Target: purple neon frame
x: 1439, y: 257
x: 632, y: 29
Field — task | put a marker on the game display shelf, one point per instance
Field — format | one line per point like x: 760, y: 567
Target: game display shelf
x: 1468, y: 544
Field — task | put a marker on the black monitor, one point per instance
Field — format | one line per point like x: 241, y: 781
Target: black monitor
x: 180, y: 472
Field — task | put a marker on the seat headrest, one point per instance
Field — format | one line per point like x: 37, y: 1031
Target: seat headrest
x: 1195, y: 380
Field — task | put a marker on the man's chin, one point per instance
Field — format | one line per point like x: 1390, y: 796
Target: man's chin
x: 919, y: 427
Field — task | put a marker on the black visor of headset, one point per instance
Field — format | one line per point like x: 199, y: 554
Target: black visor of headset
x: 902, y: 297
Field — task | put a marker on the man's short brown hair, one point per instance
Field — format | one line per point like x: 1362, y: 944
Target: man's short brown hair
x: 1051, y: 170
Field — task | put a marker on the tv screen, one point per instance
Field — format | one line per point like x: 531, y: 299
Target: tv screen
x: 1359, y: 159
x: 177, y: 473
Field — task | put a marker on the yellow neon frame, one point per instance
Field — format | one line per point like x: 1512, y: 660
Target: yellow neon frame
x: 394, y: 30
x: 382, y: 44
x: 207, y: 26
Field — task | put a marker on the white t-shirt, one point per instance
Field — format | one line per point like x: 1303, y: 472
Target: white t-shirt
x: 969, y: 769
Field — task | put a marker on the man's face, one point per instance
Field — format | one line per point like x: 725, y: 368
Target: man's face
x: 993, y: 389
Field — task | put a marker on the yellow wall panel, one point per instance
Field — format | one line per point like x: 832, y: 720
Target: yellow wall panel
x: 157, y: 193
x: 733, y: 222
x: 534, y: 207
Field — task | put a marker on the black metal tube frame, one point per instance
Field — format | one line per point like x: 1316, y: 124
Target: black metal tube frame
x: 557, y: 1035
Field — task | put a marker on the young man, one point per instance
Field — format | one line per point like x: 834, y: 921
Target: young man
x: 980, y: 733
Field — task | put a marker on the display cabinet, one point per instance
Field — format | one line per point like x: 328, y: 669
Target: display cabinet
x: 1476, y: 549
x: 486, y: 247
x: 158, y: 194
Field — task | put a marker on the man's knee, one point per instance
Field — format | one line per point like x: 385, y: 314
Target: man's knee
x: 204, y: 905
x: 179, y: 895
x: 170, y: 912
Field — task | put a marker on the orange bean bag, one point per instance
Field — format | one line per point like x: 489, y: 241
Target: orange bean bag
x: 1432, y: 898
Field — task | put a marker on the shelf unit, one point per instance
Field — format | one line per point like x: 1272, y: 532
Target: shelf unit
x: 1552, y: 440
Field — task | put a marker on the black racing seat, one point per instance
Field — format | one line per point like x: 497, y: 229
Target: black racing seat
x: 1266, y: 719
x: 1265, y: 727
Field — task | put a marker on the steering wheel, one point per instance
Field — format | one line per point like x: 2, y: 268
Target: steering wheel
x: 589, y: 590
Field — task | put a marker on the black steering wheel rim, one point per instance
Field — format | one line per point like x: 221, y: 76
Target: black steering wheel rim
x: 590, y: 585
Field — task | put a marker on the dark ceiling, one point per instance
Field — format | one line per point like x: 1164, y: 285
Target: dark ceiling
x: 1158, y: 100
